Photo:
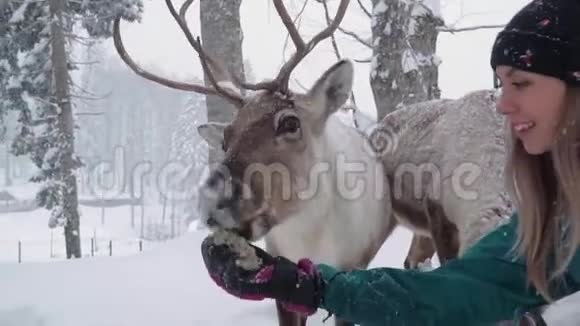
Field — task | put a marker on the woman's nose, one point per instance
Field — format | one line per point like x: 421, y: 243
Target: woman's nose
x: 504, y: 105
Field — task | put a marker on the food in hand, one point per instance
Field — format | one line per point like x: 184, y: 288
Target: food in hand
x: 248, y: 259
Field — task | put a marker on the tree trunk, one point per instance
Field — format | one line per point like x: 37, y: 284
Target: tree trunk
x: 7, y: 168
x: 222, y: 37
x: 66, y: 126
x: 404, y: 69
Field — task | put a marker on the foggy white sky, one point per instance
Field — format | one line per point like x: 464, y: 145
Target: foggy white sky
x: 158, y: 44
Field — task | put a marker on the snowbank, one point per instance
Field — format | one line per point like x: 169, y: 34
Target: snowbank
x: 166, y: 285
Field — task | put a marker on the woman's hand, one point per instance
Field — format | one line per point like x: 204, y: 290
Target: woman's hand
x: 297, y: 286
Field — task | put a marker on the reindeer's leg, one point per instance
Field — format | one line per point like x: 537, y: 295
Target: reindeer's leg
x: 415, y: 215
x: 445, y: 234
x: 287, y: 318
x: 421, y: 248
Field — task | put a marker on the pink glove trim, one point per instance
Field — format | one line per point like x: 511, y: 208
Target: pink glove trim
x: 265, y: 274
x: 307, y: 266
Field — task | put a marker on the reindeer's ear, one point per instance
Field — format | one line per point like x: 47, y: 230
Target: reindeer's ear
x: 332, y: 89
x: 212, y: 133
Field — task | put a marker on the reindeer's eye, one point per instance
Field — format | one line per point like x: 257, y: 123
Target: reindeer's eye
x: 289, y: 124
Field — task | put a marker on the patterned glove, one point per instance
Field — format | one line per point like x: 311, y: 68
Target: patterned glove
x: 297, y: 286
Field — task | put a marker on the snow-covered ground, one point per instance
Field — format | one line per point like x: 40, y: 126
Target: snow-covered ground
x: 166, y: 284
x: 39, y: 243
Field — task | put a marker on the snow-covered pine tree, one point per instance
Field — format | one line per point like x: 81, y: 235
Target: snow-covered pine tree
x: 37, y: 47
x: 190, y: 150
x: 23, y: 45
x: 4, y: 67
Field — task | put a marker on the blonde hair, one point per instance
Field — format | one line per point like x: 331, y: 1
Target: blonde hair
x: 546, y: 191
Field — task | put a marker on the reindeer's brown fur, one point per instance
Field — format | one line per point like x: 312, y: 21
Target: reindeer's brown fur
x: 318, y: 226
x: 437, y: 133
x: 444, y: 135
x: 434, y: 233
x: 325, y: 227
x: 444, y: 233
x: 421, y: 249
x: 286, y: 318
x: 411, y: 215
x: 249, y: 142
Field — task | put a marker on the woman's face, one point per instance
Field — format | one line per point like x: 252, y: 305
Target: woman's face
x: 533, y: 105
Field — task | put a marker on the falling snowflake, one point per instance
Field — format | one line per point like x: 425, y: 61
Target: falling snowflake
x: 527, y: 58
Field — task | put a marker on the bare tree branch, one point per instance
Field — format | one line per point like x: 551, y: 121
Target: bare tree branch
x: 465, y: 29
x: 89, y: 113
x: 356, y: 37
x: 332, y: 37
x: 82, y: 63
x: 451, y: 29
x: 364, y: 9
x: 463, y: 15
x: 86, y: 94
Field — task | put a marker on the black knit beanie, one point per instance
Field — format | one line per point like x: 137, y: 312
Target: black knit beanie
x: 543, y: 37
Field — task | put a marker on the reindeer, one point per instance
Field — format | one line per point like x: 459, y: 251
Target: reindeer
x: 285, y: 175
x: 294, y: 175
x: 444, y: 161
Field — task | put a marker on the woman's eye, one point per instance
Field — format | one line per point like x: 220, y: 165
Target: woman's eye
x: 290, y: 124
x: 521, y: 84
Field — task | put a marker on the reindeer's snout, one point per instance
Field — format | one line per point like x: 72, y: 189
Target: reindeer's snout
x: 219, y: 201
x: 235, y: 202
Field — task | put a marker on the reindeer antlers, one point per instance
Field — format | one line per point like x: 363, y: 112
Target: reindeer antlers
x: 212, y: 67
x: 302, y: 48
x: 209, y: 65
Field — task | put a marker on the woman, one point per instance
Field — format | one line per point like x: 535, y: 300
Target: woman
x: 526, y: 263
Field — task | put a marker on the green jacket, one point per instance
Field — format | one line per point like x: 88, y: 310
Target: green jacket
x: 482, y: 287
